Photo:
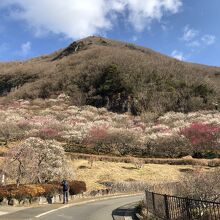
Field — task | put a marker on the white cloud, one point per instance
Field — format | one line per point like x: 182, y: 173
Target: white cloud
x: 80, y: 18
x: 142, y: 12
x: 178, y: 55
x: 194, y: 39
x: 189, y: 33
x: 25, y: 48
x: 208, y: 39
x: 194, y: 43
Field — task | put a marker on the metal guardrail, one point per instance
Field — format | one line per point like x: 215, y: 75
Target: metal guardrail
x: 179, y: 208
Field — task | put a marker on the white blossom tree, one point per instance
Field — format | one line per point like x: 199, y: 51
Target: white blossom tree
x: 37, y: 161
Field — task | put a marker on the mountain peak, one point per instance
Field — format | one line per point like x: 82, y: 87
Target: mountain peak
x: 82, y: 44
x: 117, y: 75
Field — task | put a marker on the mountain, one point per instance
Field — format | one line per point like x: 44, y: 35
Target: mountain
x: 120, y: 76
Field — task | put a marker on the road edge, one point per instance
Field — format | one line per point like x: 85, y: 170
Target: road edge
x: 87, y: 201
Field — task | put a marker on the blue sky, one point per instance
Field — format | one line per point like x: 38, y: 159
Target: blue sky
x: 185, y: 29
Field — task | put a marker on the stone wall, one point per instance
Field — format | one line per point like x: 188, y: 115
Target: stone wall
x: 52, y: 199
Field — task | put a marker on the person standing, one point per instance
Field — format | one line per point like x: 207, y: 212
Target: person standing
x: 65, y: 191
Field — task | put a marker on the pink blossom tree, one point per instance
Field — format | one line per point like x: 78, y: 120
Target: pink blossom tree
x: 96, y: 138
x: 202, y: 136
x: 49, y: 133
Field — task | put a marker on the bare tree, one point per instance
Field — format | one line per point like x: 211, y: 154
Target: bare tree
x: 9, y: 131
x: 91, y: 161
x: 200, y: 184
x: 137, y: 162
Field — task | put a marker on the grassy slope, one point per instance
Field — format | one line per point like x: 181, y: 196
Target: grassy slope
x: 109, y: 171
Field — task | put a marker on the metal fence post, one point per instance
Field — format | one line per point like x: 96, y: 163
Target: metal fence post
x: 146, y: 200
x: 188, y: 208
x: 170, y: 207
x: 153, y: 200
x: 166, y: 204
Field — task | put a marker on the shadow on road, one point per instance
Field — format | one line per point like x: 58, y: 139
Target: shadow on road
x: 127, y: 210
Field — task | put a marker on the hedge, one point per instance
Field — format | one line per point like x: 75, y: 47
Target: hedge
x: 30, y: 191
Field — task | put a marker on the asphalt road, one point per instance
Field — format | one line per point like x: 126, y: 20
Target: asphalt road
x: 110, y: 209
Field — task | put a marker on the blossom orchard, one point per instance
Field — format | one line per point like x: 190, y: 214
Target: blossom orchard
x: 58, y: 120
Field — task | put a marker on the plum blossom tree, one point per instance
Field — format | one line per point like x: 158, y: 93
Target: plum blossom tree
x: 36, y: 161
x: 202, y: 136
x: 49, y: 133
x: 96, y: 139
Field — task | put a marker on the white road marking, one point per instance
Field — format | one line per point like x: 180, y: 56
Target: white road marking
x: 45, y: 213
x: 128, y: 218
x: 86, y: 202
x: 63, y: 207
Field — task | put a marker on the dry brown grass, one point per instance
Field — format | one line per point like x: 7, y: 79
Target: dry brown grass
x: 115, y: 172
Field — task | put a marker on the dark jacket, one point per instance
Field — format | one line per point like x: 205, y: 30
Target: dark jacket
x: 65, y: 186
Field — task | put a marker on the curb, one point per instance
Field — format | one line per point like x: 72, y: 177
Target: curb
x: 130, y: 211
x: 86, y: 202
x: 90, y: 200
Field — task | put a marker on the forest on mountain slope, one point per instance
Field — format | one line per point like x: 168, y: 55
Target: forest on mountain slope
x: 119, y: 76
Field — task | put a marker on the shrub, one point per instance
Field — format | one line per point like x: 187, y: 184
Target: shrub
x: 206, y: 154
x: 77, y: 187
x: 10, y: 81
x: 131, y: 186
x: 30, y: 191
x: 51, y: 189
x: 22, y: 192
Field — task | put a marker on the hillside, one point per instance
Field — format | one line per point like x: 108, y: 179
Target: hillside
x: 119, y: 76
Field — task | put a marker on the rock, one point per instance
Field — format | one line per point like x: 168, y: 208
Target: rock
x: 57, y: 199
x: 4, y: 202
x: 13, y: 202
x: 42, y: 200
x: 25, y: 202
x: 35, y: 200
